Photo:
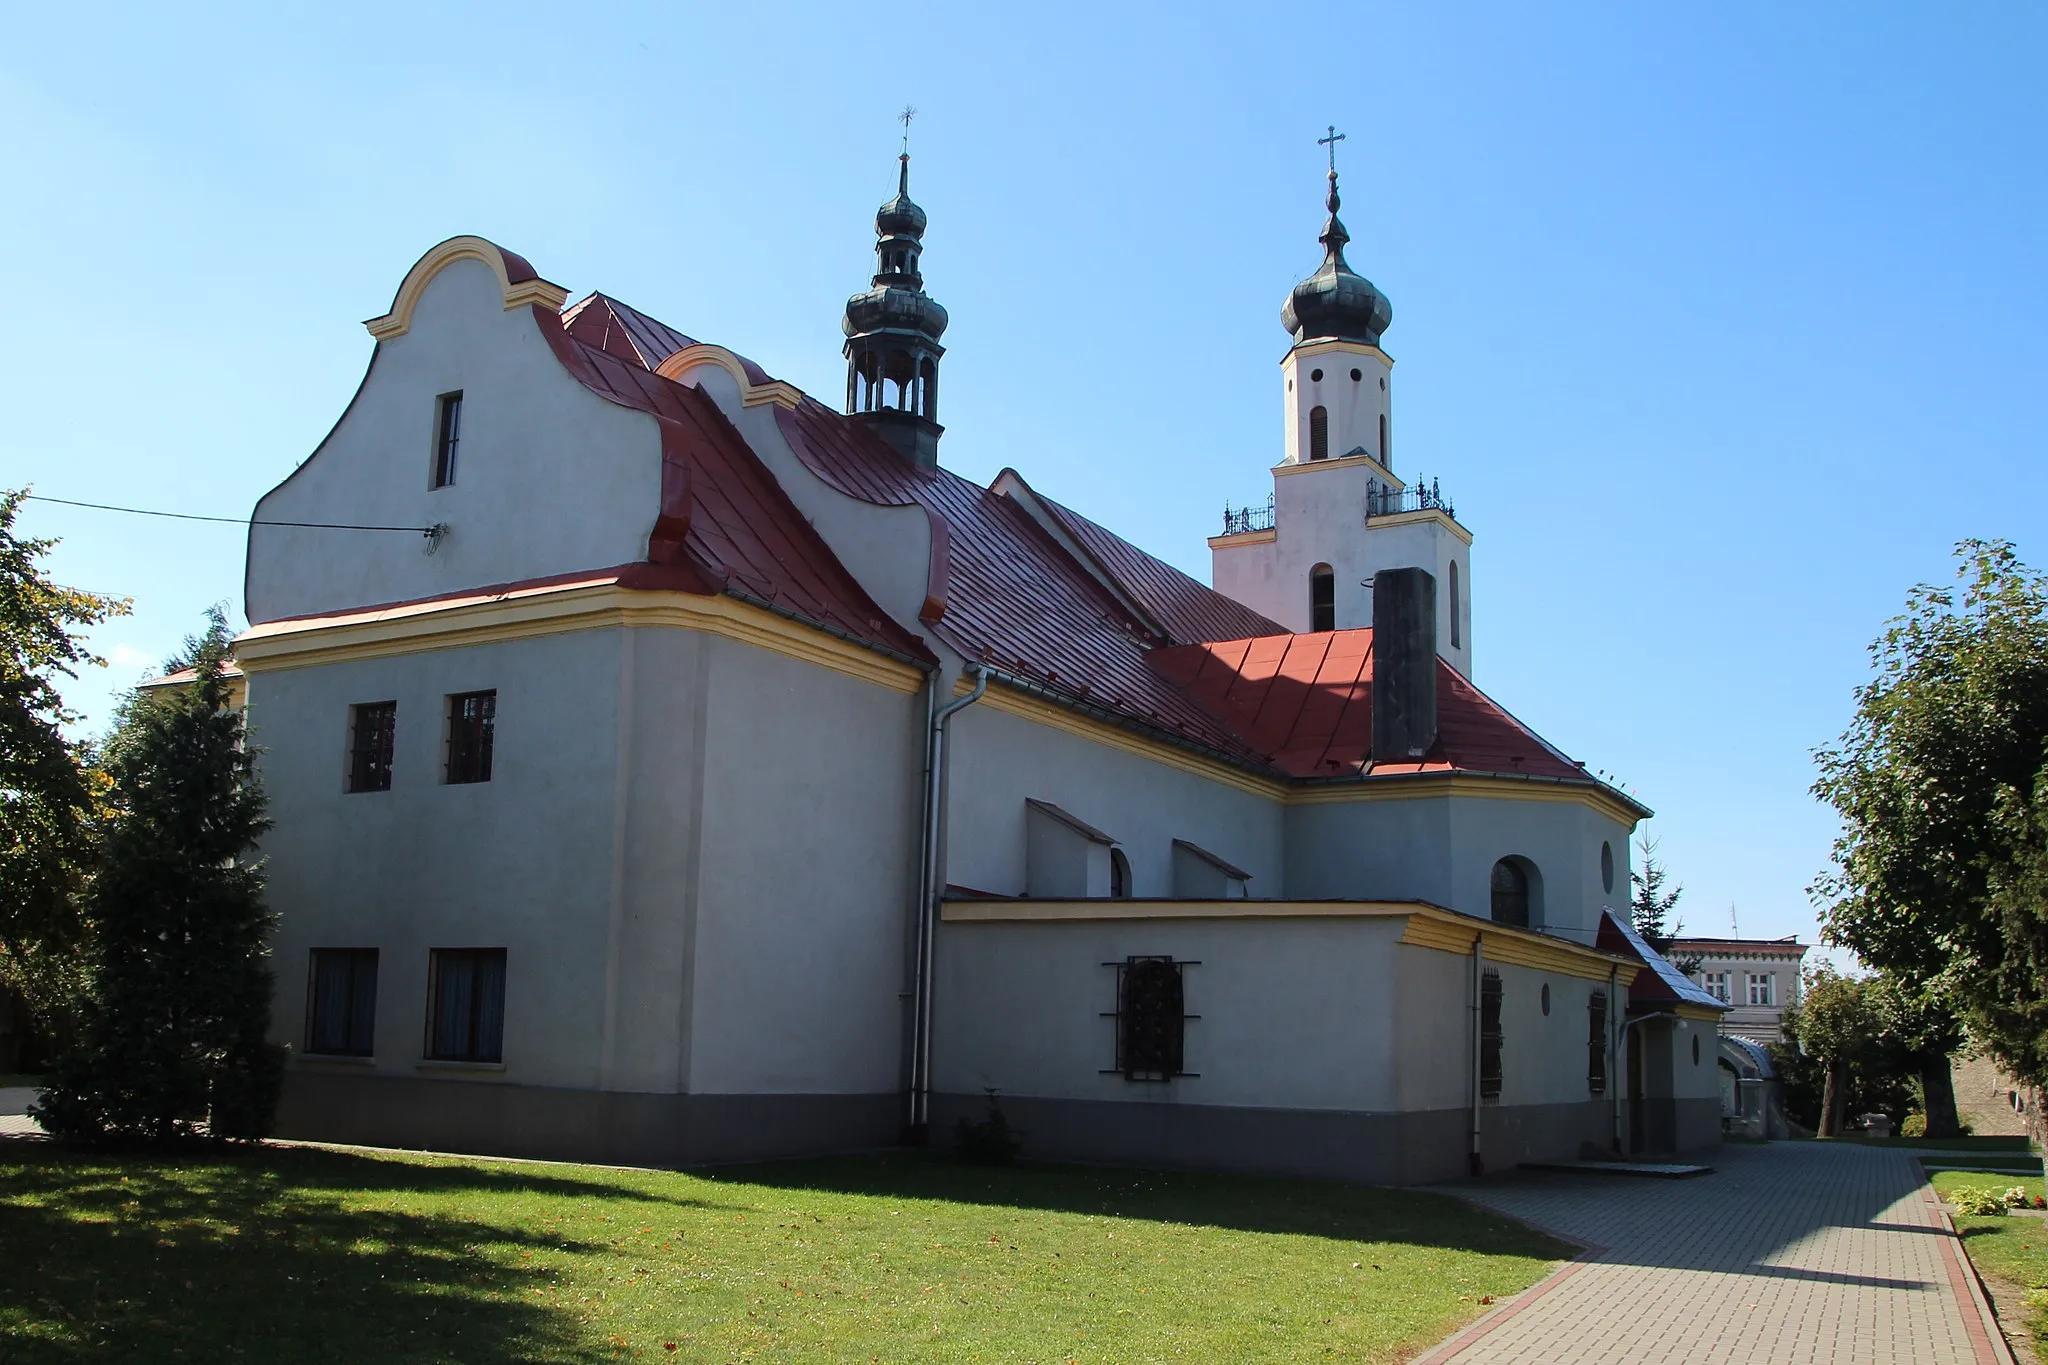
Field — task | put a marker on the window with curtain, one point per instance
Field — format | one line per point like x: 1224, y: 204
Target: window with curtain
x: 466, y: 1005
x: 341, y: 1002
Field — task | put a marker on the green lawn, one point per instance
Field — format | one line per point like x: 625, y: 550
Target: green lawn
x: 2013, y: 1248
x: 2018, y: 1145
x: 301, y: 1255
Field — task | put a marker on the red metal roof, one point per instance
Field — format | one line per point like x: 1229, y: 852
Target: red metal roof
x: 1662, y: 984
x: 1305, y: 702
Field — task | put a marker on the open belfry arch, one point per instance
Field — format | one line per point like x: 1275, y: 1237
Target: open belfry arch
x: 735, y: 779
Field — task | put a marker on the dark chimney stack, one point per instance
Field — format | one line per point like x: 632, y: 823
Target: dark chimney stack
x: 1403, y: 665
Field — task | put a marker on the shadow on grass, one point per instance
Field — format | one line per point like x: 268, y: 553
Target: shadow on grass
x: 1242, y: 1203
x: 258, y: 1255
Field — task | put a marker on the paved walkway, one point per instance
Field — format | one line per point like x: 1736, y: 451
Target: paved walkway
x: 1796, y: 1252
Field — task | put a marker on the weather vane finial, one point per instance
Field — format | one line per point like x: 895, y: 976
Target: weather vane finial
x: 1331, y: 142
x: 904, y: 118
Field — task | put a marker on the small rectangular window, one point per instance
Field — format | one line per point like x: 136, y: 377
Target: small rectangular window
x: 1151, y: 1018
x: 1760, y: 988
x: 1489, y: 1036
x: 1596, y: 1043
x: 1717, y: 985
x: 472, y: 720
x: 447, y: 437
x: 466, y: 1005
x: 341, y: 1002
x: 372, y: 728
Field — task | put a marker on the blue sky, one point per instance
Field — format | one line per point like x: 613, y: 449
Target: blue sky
x: 1720, y: 323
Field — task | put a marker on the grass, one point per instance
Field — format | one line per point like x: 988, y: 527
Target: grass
x: 1954, y: 1144
x: 2012, y: 1248
x: 304, y: 1255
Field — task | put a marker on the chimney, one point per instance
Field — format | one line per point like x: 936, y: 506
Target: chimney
x: 1403, y: 665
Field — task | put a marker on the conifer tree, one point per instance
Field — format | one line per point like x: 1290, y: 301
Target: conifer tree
x: 172, y: 1035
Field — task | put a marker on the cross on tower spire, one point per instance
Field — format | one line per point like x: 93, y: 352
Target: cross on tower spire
x: 1331, y: 142
x: 904, y: 118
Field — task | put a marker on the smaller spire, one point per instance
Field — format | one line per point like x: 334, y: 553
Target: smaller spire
x: 1334, y: 236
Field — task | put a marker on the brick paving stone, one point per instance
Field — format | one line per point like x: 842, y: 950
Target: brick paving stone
x: 1794, y: 1252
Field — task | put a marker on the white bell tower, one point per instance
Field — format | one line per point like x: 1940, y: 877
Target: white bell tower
x: 1339, y: 513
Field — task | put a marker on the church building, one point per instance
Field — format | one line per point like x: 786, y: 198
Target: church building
x: 719, y: 775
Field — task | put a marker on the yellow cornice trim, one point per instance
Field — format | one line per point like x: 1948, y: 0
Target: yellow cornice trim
x: 1417, y: 787
x: 1339, y: 462
x: 1421, y: 514
x: 1442, y: 931
x: 775, y: 391
x: 1244, y: 538
x: 1705, y: 1014
x: 398, y: 321
x: 1316, y: 348
x: 1050, y: 911
x: 527, y: 613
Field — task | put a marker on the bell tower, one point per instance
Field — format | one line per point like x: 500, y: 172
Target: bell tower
x: 1339, y: 513
x: 893, y: 330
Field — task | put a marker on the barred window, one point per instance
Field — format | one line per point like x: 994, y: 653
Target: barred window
x: 1596, y: 1043
x: 341, y: 1002
x: 1151, y: 1018
x: 1489, y: 1035
x: 372, y: 727
x: 447, y: 437
x: 472, y: 719
x: 466, y: 1005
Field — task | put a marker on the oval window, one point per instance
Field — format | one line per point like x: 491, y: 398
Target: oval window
x: 1546, y: 997
x: 1607, y: 866
x: 1315, y: 376
x: 1357, y: 375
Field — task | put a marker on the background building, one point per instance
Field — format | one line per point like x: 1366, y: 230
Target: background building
x: 1756, y: 978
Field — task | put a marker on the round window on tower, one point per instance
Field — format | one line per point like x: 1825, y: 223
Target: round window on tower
x: 1546, y: 997
x: 1357, y: 375
x: 1315, y: 376
x: 1383, y: 385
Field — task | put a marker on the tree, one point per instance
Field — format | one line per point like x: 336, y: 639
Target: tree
x: 177, y: 1006
x: 1940, y: 783
x: 1917, y: 1023
x: 49, y: 799
x: 1834, y: 1024
x: 1651, y: 904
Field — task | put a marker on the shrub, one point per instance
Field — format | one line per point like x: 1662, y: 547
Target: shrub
x: 1915, y: 1125
x: 1979, y: 1201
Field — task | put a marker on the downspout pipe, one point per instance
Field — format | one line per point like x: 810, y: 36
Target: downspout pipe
x: 1478, y: 1164
x: 931, y: 889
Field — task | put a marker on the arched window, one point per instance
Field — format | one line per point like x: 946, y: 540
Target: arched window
x: 1319, y: 433
x: 1119, y: 875
x: 1455, y: 613
x: 1510, y: 893
x: 1322, y: 596
x: 1386, y: 455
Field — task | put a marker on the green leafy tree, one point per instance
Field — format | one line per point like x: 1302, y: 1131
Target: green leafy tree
x: 1941, y: 782
x: 1917, y: 1026
x: 1835, y: 1025
x: 172, y: 1035
x: 49, y: 797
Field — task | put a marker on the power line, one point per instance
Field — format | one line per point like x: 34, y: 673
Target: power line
x: 238, y: 521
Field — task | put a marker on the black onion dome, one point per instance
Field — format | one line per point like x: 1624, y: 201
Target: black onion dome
x: 1336, y: 303
x: 900, y: 217
x: 886, y: 308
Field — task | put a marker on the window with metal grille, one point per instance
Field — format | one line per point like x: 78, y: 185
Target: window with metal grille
x: 371, y: 729
x: 1489, y: 1035
x: 341, y: 1002
x: 472, y: 719
x: 1596, y: 1043
x: 447, y: 437
x: 1319, y: 433
x: 1151, y: 1018
x: 1322, y: 598
x: 466, y: 1005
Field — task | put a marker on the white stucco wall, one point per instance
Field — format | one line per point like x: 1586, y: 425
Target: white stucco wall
x: 1354, y: 406
x: 998, y: 759
x: 550, y: 478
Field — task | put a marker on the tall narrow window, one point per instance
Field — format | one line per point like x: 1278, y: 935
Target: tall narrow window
x: 472, y: 720
x: 1489, y: 1035
x: 1322, y: 598
x: 1319, y: 433
x: 1151, y: 1018
x: 1119, y: 875
x: 1386, y: 453
x: 1510, y: 893
x: 372, y: 727
x: 1596, y: 1043
x: 1455, y: 633
x: 447, y: 437
x: 466, y: 1005
x: 341, y: 1002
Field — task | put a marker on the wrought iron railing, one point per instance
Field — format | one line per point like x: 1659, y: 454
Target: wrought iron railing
x: 1384, y: 500
x: 1236, y: 521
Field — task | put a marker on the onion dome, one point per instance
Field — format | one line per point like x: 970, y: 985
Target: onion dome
x: 897, y: 302
x: 1336, y: 303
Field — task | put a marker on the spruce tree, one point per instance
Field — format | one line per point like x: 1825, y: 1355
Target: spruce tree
x: 172, y: 1040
